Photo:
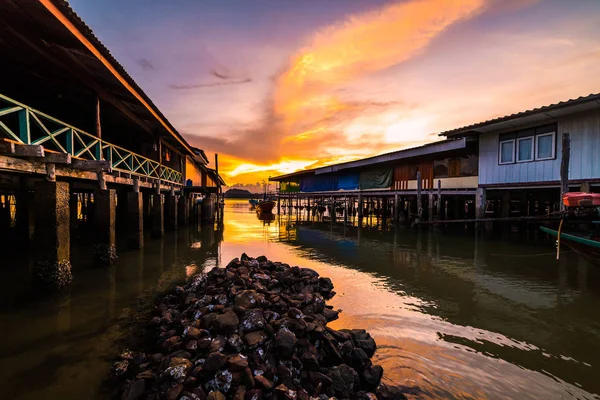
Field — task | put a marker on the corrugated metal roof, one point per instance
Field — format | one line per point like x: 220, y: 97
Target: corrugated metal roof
x: 533, y: 111
x: 85, y: 30
x: 429, y: 148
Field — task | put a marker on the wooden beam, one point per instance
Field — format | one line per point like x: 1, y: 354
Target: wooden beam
x: 98, y: 124
x: 419, y: 200
x: 92, y: 165
x: 564, y: 168
x: 32, y: 150
x: 58, y: 158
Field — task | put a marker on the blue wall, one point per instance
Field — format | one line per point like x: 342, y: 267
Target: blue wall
x: 584, y: 163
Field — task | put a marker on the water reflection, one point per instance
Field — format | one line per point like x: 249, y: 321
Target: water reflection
x: 455, y: 315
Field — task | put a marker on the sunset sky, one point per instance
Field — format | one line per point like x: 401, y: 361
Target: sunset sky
x: 275, y: 86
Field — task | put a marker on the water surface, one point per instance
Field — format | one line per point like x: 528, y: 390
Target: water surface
x: 455, y: 315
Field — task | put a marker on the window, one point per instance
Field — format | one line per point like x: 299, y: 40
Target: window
x: 525, y: 149
x: 545, y: 146
x: 526, y: 145
x: 507, y: 151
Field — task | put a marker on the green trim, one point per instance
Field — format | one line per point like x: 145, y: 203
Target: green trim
x: 573, y: 238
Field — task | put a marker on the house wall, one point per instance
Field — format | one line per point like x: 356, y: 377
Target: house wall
x: 584, y: 163
x: 192, y: 172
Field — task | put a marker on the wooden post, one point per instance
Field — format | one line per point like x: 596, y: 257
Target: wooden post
x: 360, y: 207
x: 430, y: 205
x: 345, y: 209
x: 480, y: 203
x: 419, y: 188
x: 218, y: 187
x: 99, y: 155
x: 564, y: 168
x: 439, y: 199
x: 136, y: 184
x: 396, y: 207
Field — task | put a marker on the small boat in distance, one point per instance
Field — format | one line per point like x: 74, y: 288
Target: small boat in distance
x: 253, y: 202
x: 265, y: 206
x: 587, y: 245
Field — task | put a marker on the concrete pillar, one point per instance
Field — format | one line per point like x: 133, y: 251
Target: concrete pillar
x: 135, y: 220
x: 105, y: 218
x: 183, y: 213
x: 396, y: 207
x: 480, y: 203
x: 52, y: 234
x: 171, y: 212
x: 158, y: 216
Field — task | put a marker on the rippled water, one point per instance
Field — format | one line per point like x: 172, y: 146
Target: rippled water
x: 455, y: 315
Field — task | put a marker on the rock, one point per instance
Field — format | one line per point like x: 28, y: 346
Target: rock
x: 248, y: 299
x: 285, y: 342
x: 214, y: 362
x: 360, y: 360
x: 216, y: 396
x: 344, y: 380
x: 256, y: 338
x: 330, y: 315
x: 317, y: 378
x: 248, y: 378
x: 170, y: 342
x: 254, y: 394
x: 135, y: 390
x: 261, y: 259
x: 240, y: 393
x: 368, y: 345
x: 264, y: 382
x: 386, y: 392
x: 192, y: 333
x: 253, y: 320
x: 226, y: 323
x: 174, y: 391
x: 238, y: 362
x: 370, y: 377
x: 253, y: 330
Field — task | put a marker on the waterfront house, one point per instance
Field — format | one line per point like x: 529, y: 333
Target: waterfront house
x: 520, y: 155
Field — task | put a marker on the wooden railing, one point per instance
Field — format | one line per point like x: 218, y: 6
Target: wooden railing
x: 29, y: 126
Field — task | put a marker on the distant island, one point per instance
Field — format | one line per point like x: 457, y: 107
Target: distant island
x: 239, y: 194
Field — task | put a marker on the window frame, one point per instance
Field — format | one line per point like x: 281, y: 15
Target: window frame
x: 553, y: 156
x: 513, y: 141
x: 531, y: 153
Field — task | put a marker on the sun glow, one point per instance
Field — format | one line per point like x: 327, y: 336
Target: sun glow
x: 410, y: 130
x: 283, y: 167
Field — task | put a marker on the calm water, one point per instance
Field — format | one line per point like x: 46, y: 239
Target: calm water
x: 454, y: 315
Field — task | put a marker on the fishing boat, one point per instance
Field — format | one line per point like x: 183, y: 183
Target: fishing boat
x: 587, y: 245
x: 265, y: 206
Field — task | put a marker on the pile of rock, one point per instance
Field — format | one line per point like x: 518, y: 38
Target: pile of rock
x: 253, y: 330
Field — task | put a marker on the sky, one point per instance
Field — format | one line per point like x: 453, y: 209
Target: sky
x: 275, y: 86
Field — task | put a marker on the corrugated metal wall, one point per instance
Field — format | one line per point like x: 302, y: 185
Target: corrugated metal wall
x: 585, y: 155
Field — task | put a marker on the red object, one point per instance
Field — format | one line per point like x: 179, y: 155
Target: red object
x: 581, y: 199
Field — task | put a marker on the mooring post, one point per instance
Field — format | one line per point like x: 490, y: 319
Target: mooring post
x: 439, y: 199
x: 52, y: 233
x: 360, y: 207
x: 171, y: 211
x: 396, y: 208
x: 105, y: 251
x: 430, y: 206
x: 345, y: 209
x: 564, y: 168
x: 419, y: 200
x: 480, y: 203
x: 135, y: 217
x: 183, y: 213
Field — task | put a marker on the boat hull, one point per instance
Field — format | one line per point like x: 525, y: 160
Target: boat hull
x: 587, y: 248
x: 265, y: 207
